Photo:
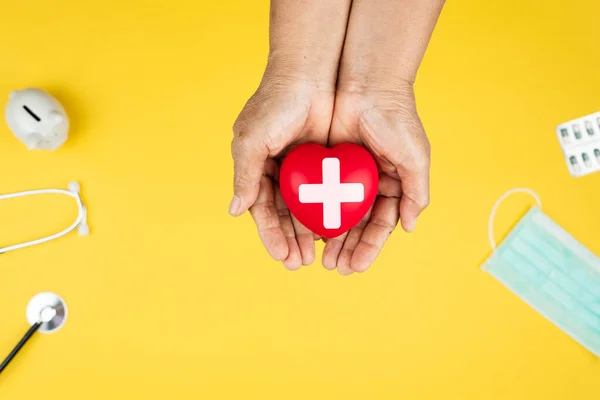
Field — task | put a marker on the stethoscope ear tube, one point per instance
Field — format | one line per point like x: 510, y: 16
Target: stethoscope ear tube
x: 80, y: 223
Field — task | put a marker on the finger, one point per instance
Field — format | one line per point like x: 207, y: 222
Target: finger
x: 343, y: 264
x: 384, y: 219
x: 293, y: 261
x: 389, y: 187
x: 271, y: 169
x: 249, y: 154
x: 266, y: 217
x: 306, y: 242
x: 332, y: 250
x: 415, y: 194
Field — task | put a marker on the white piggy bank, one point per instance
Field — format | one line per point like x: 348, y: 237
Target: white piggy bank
x: 37, y: 119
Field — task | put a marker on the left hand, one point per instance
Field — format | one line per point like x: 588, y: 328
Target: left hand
x: 386, y: 123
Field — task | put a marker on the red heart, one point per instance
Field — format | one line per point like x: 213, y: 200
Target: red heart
x: 351, y: 184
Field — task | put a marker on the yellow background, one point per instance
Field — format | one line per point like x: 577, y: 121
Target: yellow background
x: 171, y: 298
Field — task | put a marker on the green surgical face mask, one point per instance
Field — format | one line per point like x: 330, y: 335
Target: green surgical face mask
x: 551, y: 271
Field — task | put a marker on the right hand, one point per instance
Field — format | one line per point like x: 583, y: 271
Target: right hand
x: 282, y: 113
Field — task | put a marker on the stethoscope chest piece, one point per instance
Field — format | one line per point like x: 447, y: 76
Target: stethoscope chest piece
x: 46, y: 313
x: 49, y: 309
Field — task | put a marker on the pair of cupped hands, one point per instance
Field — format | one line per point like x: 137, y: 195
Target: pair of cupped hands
x: 289, y: 109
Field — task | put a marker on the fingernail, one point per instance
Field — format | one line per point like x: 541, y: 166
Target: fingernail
x: 234, y: 206
x: 410, y: 225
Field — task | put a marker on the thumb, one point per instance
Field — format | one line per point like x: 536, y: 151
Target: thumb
x: 401, y: 140
x: 415, y: 195
x: 409, y: 212
x: 249, y: 158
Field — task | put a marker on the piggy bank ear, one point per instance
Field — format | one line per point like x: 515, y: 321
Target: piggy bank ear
x: 13, y: 94
x: 56, y: 117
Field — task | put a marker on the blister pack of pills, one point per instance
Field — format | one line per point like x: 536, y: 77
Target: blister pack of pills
x: 580, y: 142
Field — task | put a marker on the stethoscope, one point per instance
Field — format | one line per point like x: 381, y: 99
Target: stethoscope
x: 80, y: 222
x: 46, y: 313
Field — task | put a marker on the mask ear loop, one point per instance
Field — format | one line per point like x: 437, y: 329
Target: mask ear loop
x: 80, y: 222
x: 497, y: 204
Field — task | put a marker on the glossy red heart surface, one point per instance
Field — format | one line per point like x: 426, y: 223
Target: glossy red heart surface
x: 329, y: 190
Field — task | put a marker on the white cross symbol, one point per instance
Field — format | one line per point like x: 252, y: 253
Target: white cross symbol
x: 331, y: 193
